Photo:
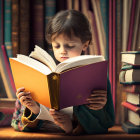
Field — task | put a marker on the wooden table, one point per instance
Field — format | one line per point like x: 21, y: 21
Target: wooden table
x: 115, y: 133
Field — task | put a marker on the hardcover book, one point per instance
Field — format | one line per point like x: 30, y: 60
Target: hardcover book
x: 15, y: 27
x: 131, y: 88
x: 69, y: 83
x: 133, y: 112
x: 133, y: 98
x: 130, y: 76
x: 131, y: 57
x: 129, y: 66
x: 7, y: 107
x: 134, y: 117
x: 132, y: 107
x: 8, y: 26
x: 130, y: 128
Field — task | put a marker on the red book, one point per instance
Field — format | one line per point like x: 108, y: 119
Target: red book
x: 6, y: 110
x: 8, y: 67
x: 131, y: 88
x: 132, y: 107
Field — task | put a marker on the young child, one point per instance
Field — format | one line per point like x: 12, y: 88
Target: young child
x: 69, y: 33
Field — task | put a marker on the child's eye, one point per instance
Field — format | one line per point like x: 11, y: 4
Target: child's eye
x: 69, y: 47
x: 57, y: 47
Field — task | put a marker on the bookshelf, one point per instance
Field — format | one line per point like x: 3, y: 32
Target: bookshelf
x: 23, y: 33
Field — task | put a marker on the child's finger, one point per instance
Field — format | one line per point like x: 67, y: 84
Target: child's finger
x: 23, y: 94
x: 100, y: 91
x: 19, y: 90
x: 97, y: 98
x: 25, y: 98
x: 98, y: 94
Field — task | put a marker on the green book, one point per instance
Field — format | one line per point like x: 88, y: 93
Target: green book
x: 129, y: 66
x: 130, y: 128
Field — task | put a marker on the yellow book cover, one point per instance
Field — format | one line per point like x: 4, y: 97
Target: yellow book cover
x: 70, y: 83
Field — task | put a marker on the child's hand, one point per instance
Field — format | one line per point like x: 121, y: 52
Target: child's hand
x: 62, y: 120
x: 97, y: 100
x: 26, y: 100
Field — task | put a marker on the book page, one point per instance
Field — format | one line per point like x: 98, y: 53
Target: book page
x: 78, y: 61
x: 33, y: 63
x: 43, y: 57
x: 45, y: 115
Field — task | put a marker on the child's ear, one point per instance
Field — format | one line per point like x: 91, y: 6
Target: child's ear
x: 85, y: 45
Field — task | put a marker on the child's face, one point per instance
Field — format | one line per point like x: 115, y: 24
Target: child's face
x: 64, y: 47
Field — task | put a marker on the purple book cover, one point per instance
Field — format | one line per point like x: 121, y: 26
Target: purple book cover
x: 76, y: 85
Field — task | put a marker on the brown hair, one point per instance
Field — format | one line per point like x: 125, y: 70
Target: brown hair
x: 69, y: 22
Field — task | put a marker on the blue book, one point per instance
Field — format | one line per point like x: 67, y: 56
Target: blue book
x: 130, y: 128
x: 104, y: 6
x: 1, y: 22
x: 50, y: 9
x: 8, y: 26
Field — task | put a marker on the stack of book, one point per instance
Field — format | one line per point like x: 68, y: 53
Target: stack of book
x: 7, y: 107
x: 130, y: 79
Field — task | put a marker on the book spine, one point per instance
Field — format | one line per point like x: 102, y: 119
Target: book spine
x: 104, y: 6
x: 15, y: 27
x: 131, y: 26
x: 127, y: 67
x: 133, y: 98
x: 95, y: 4
x: 6, y: 61
x: 101, y: 26
x: 5, y: 78
x: 7, y: 110
x: 138, y: 37
x: 76, y: 5
x: 7, y: 27
x: 125, y: 23
x: 69, y: 4
x: 135, y: 89
x: 2, y: 88
x: 7, y: 103
x: 94, y: 47
x: 114, y: 54
x: 132, y: 107
x: 53, y: 84
x: 118, y: 63
x: 130, y: 128
x: 49, y: 10
x: 5, y: 119
x: 136, y: 25
x: 24, y: 27
x: 1, y: 22
x: 37, y: 23
x: 84, y: 9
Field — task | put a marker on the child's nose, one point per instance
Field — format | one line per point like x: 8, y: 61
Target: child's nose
x: 63, y: 50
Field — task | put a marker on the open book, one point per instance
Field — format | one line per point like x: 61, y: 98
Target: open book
x: 58, y: 86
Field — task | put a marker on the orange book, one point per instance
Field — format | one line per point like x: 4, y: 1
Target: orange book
x: 69, y: 83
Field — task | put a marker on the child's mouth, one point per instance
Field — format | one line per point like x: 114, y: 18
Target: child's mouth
x: 64, y: 58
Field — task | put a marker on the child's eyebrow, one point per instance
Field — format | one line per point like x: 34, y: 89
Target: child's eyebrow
x: 73, y: 42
